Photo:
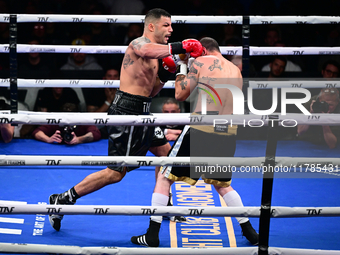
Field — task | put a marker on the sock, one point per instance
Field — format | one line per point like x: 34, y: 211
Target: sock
x: 74, y: 194
x: 158, y: 199
x: 232, y: 198
x: 154, y: 228
x: 69, y: 196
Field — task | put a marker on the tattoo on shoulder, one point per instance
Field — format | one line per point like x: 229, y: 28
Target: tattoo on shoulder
x: 193, y: 70
x: 139, y: 42
x: 215, y: 65
x: 199, y: 64
x: 209, y: 79
x: 127, y: 61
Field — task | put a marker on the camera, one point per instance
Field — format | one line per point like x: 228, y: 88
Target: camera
x: 319, y: 107
x: 66, y: 133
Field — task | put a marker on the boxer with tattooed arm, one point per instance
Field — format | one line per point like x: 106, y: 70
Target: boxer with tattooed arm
x: 142, y: 77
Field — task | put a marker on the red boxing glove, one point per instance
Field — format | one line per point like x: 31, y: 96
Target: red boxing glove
x: 192, y: 46
x: 169, y: 64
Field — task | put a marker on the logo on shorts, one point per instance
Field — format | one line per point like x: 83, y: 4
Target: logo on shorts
x: 159, y: 133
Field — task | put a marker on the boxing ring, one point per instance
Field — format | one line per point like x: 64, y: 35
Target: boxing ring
x: 249, y: 155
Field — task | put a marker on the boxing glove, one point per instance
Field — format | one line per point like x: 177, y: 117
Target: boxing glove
x: 169, y: 64
x: 163, y: 75
x: 192, y: 46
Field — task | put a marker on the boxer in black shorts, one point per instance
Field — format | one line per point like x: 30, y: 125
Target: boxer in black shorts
x: 132, y: 140
x: 142, y: 77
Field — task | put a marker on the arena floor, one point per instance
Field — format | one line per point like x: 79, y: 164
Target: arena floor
x: 33, y: 185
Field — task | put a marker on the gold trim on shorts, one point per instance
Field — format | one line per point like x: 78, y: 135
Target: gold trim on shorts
x: 183, y: 178
x: 217, y: 183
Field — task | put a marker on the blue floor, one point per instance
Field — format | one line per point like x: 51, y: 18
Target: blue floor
x: 34, y: 184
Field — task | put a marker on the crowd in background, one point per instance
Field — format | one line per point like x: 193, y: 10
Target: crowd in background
x: 95, y: 66
x: 55, y: 33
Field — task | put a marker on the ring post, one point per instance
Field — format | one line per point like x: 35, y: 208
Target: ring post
x: 267, y: 187
x: 13, y: 62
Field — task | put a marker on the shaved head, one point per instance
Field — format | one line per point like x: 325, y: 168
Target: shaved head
x: 155, y: 14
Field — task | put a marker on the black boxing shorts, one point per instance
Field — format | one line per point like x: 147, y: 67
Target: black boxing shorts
x: 196, y: 143
x: 131, y: 140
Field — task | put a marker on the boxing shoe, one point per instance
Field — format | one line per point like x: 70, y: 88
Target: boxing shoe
x: 58, y: 199
x: 249, y: 232
x: 150, y: 238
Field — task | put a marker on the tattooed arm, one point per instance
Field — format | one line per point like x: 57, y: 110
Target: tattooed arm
x: 185, y: 84
x: 144, y: 48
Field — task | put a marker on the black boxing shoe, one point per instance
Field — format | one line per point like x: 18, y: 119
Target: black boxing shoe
x: 249, y: 232
x: 58, y: 199
x: 145, y: 240
x: 150, y: 238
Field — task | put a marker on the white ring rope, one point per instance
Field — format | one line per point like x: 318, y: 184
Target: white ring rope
x: 288, y: 120
x: 293, y: 83
x: 93, y: 49
x: 225, y: 50
x: 74, y: 83
x: 112, y: 19
x: 292, y: 163
x: 81, y: 83
x: 247, y: 211
x: 66, y: 249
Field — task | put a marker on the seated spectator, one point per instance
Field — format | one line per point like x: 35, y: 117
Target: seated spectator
x: 230, y: 33
x: 273, y: 35
x: 81, y: 61
x: 6, y: 130
x: 326, y: 102
x: 68, y: 134
x: 277, y: 67
x: 34, y: 66
x: 100, y: 99
x: 262, y: 97
x: 330, y: 70
x: 52, y: 99
x: 290, y: 66
x: 171, y: 105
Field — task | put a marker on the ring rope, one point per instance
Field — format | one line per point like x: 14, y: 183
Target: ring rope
x: 112, y: 19
x: 82, y: 83
x: 288, y: 120
x: 329, y: 164
x: 225, y: 50
x: 248, y: 211
x: 67, y: 249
